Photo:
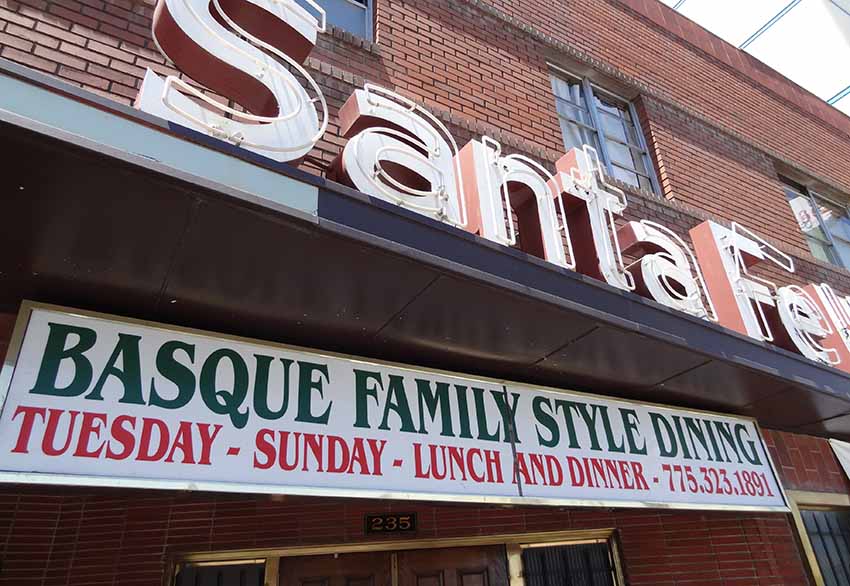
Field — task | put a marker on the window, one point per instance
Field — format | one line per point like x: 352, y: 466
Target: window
x: 829, y: 533
x: 824, y: 223
x: 590, y: 115
x: 354, y: 16
x: 236, y: 573
x: 586, y: 564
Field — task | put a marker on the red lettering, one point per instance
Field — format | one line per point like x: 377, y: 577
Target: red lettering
x: 494, y: 466
x: 123, y: 436
x: 22, y: 445
x: 419, y: 472
x: 640, y: 481
x: 554, y: 470
x: 207, y: 440
x: 470, y: 464
x: 576, y: 472
x: 264, y: 445
x: 335, y: 465
x: 624, y: 474
x: 53, y: 417
x: 377, y: 449
x: 148, y: 424
x: 314, y: 443
x: 183, y: 442
x: 284, y: 450
x: 92, y: 424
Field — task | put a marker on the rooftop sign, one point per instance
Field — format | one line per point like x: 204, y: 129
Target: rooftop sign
x: 100, y: 401
x: 399, y: 152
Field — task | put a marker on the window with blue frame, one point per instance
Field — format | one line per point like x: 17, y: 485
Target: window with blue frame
x: 590, y: 115
x: 823, y: 221
x: 354, y: 16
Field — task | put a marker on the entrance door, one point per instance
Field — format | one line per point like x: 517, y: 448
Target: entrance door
x: 352, y: 569
x: 456, y: 566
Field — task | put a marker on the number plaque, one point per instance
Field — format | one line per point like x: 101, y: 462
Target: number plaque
x: 394, y: 523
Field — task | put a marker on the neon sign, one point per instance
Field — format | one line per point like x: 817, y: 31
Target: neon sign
x: 399, y: 152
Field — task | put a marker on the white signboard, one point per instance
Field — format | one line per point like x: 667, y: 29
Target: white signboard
x: 103, y: 401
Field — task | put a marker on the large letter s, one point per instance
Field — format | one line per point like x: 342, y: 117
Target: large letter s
x: 202, y: 38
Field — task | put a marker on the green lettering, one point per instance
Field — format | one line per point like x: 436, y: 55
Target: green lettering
x: 222, y: 401
x: 431, y: 401
x: 753, y: 455
x: 181, y: 375
x: 130, y: 373
x: 261, y: 387
x: 55, y: 352
x: 481, y: 415
x: 665, y: 451
x: 306, y: 386
x: 546, y: 420
x: 397, y: 402
x: 630, y: 425
x: 362, y: 392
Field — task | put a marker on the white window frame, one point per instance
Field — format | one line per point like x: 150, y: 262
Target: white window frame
x: 589, y: 89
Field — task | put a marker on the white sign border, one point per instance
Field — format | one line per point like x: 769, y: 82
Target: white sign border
x: 22, y: 323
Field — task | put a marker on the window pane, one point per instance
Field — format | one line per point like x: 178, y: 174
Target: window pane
x: 829, y: 532
x: 576, y: 113
x: 569, y: 89
x: 626, y: 157
x: 620, y: 130
x: 641, y: 181
x: 822, y: 250
x: 807, y: 219
x: 575, y: 136
x: 612, y: 106
x: 835, y: 218
x: 626, y: 176
x: 842, y: 249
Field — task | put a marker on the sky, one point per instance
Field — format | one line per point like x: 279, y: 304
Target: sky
x: 807, y: 41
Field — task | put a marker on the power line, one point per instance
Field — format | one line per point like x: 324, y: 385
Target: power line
x: 839, y: 96
x: 769, y: 23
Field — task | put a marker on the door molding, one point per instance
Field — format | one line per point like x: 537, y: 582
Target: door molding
x: 514, y: 543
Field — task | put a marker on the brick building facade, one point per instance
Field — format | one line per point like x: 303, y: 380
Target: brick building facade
x: 721, y: 130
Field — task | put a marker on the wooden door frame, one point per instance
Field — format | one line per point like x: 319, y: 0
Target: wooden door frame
x: 514, y: 544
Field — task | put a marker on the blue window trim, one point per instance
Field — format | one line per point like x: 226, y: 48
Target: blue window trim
x: 813, y: 201
x: 589, y: 92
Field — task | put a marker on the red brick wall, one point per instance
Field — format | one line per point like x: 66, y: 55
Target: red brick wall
x: 676, y: 58
x: 806, y: 463
x: 57, y: 537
